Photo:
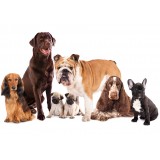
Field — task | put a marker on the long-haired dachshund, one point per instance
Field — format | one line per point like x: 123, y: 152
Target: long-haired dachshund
x: 17, y: 109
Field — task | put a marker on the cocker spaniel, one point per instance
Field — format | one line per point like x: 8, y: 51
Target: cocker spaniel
x: 113, y: 102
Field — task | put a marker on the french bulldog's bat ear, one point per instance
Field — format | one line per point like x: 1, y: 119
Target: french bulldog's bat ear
x: 66, y: 94
x: 144, y: 83
x: 130, y: 83
x: 74, y: 57
x: 57, y: 57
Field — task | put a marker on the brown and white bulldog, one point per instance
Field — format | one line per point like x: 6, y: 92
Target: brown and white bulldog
x: 83, y: 78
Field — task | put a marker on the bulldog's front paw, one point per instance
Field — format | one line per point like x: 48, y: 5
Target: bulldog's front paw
x: 86, y: 118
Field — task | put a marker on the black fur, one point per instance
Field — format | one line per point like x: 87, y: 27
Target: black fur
x: 148, y: 111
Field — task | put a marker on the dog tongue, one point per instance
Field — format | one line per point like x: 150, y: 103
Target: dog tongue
x: 46, y: 52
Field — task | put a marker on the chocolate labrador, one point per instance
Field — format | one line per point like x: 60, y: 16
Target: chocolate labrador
x: 38, y: 76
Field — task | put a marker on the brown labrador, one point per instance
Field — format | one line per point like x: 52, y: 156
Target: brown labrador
x: 39, y: 75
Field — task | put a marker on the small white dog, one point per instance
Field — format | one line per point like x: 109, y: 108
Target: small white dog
x: 57, y: 107
x: 71, y: 107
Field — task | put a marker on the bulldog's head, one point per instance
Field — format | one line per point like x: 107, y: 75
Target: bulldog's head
x: 66, y: 68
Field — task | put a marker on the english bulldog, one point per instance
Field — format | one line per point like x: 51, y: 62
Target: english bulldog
x: 83, y: 78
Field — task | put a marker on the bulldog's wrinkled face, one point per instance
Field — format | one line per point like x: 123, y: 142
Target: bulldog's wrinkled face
x: 66, y: 69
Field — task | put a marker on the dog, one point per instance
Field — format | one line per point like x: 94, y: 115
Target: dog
x: 113, y: 101
x: 39, y: 75
x: 141, y: 104
x: 83, y: 78
x: 57, y: 107
x: 71, y: 107
x: 16, y: 106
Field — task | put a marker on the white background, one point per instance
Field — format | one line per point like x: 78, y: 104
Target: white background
x: 122, y: 30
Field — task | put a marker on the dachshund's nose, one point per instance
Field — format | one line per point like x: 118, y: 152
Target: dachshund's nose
x: 13, y: 87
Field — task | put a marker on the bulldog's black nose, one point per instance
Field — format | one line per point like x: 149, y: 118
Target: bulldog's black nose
x: 65, y: 71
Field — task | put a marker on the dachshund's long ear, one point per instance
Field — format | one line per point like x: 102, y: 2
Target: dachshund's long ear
x: 5, y: 88
x: 20, y: 87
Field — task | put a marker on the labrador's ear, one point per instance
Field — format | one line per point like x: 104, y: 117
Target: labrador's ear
x: 33, y: 41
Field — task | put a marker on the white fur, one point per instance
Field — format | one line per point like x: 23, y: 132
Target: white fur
x: 71, y: 110
x: 113, y: 88
x: 101, y: 87
x: 56, y: 109
x: 137, y: 105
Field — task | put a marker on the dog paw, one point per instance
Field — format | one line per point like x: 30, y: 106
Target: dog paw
x: 72, y: 117
x: 141, y: 117
x: 85, y: 118
x: 134, y: 120
x: 41, y: 117
x: 6, y: 120
x: 103, y: 118
x: 49, y: 116
x: 146, y: 123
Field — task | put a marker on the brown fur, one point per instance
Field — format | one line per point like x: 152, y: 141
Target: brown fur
x: 107, y: 108
x: 39, y: 74
x: 92, y: 71
x: 16, y: 106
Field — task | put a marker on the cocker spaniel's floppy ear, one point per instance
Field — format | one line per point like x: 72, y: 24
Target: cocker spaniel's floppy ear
x: 20, y: 87
x: 5, y: 88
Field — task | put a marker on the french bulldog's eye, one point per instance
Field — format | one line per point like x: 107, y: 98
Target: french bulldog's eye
x: 58, y: 68
x: 71, y: 68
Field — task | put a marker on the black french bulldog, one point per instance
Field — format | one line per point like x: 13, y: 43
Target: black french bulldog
x: 141, y: 104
